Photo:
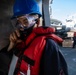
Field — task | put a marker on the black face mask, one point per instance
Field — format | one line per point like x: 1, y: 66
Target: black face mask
x: 26, y: 32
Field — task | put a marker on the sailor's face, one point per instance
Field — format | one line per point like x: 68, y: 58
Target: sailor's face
x: 22, y: 21
x: 26, y: 21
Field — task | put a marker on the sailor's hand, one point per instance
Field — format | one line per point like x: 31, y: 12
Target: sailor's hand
x: 14, y: 39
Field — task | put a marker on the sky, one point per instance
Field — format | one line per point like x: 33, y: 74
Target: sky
x: 61, y: 9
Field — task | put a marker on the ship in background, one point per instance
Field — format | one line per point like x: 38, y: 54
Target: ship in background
x: 71, y: 22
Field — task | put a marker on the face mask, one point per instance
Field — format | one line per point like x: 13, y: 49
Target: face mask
x: 31, y: 21
x: 27, y: 28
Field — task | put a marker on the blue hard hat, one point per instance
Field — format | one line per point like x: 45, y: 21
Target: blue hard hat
x: 22, y: 7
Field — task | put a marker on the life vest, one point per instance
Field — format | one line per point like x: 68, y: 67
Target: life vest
x: 32, y: 50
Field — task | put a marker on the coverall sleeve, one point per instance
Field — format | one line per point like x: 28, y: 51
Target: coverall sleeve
x: 52, y: 60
